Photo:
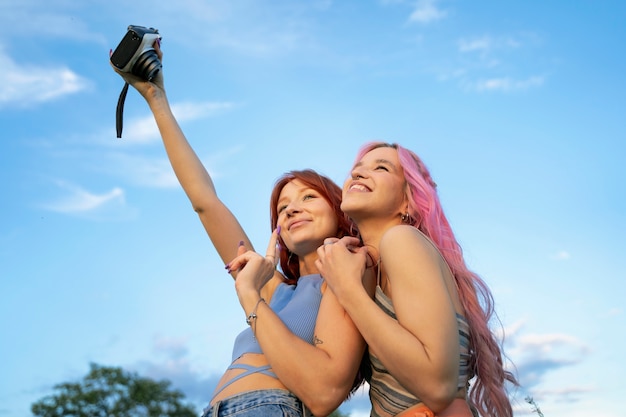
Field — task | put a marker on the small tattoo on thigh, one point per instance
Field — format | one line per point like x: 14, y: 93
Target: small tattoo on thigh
x: 317, y: 340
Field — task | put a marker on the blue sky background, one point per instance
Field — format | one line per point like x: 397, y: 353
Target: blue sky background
x: 518, y: 108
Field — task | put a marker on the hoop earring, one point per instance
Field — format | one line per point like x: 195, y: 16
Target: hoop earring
x: 353, y: 231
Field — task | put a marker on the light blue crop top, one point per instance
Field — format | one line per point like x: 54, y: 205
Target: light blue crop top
x: 297, y: 306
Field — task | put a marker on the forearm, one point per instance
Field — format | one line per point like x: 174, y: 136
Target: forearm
x: 405, y: 357
x: 321, y: 379
x: 219, y: 222
x: 188, y: 168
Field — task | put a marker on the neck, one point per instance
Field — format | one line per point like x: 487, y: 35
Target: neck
x: 373, y: 229
x: 307, y: 264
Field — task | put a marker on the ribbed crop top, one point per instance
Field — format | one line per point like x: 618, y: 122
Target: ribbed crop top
x: 296, y: 305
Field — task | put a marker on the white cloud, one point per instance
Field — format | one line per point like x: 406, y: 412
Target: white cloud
x: 79, y: 200
x: 26, y: 85
x: 504, y: 84
x: 537, y: 355
x: 141, y: 170
x: 176, y: 348
x: 192, y: 111
x: 175, y: 366
x: 144, y: 129
x: 483, y: 43
x: 426, y: 11
x: 486, y: 44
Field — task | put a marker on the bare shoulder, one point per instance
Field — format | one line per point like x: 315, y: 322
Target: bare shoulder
x: 405, y: 246
x: 402, y: 235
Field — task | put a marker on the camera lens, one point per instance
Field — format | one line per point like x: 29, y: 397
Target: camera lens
x: 147, y: 65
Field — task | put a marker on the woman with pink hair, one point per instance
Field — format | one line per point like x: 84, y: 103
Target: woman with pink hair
x: 427, y: 327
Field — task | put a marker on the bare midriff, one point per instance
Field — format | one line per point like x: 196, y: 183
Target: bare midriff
x: 256, y: 381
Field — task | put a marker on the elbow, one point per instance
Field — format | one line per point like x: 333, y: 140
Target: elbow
x: 325, y: 401
x: 198, y: 207
x: 440, y: 396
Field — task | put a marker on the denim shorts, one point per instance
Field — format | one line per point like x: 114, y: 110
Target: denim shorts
x: 259, y: 403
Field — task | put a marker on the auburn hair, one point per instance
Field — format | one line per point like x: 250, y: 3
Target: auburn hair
x: 330, y: 191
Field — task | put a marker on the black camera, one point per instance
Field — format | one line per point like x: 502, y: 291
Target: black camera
x: 135, y: 53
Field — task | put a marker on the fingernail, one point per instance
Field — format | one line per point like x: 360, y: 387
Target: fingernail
x: 110, y: 52
x: 278, y: 230
x: 241, y: 243
x: 227, y: 267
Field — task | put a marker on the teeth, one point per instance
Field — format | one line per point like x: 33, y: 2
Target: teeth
x: 358, y: 187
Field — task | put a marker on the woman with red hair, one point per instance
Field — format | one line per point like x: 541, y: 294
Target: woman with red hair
x: 300, y: 352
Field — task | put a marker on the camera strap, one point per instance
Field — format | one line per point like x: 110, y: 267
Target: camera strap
x: 119, y: 114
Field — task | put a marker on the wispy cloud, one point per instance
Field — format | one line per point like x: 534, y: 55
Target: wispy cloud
x: 156, y: 172
x: 427, y: 11
x: 144, y: 130
x: 503, y: 84
x: 140, y: 170
x: 174, y: 365
x: 77, y: 200
x: 537, y: 355
x: 26, y: 85
x: 488, y: 44
x: 423, y: 11
x: 489, y: 64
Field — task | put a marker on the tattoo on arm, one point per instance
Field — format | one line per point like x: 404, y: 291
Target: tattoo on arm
x: 317, y: 340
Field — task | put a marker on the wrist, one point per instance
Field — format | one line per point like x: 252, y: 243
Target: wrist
x: 248, y: 298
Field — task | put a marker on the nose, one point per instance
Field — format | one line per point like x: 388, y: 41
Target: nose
x: 357, y: 173
x: 292, y: 209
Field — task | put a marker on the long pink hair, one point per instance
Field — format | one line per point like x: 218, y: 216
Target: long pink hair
x: 488, y: 392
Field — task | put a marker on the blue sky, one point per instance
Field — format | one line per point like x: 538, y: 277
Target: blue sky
x: 518, y: 108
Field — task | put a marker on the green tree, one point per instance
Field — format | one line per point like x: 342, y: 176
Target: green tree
x: 112, y: 392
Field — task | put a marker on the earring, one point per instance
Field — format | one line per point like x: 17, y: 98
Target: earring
x: 353, y: 231
x: 406, y: 218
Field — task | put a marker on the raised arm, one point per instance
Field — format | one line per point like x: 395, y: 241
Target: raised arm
x: 219, y: 222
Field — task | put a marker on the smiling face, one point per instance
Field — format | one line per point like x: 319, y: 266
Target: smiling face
x: 376, y: 187
x: 305, y: 218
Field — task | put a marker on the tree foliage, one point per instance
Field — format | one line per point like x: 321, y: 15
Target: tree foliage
x: 113, y: 392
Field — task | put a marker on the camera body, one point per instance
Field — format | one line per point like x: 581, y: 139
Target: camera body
x: 135, y: 53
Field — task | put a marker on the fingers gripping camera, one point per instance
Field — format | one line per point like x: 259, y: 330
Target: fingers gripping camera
x: 135, y: 53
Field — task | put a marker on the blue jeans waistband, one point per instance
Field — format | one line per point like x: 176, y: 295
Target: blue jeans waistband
x: 257, y: 403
